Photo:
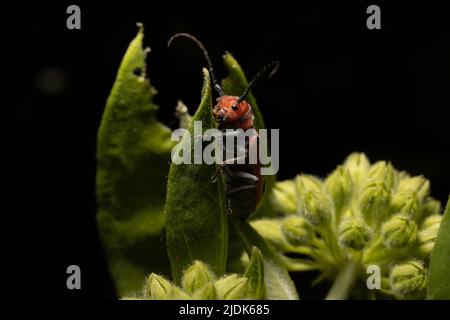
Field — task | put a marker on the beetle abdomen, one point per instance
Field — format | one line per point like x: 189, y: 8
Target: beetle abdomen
x: 242, y: 188
x: 243, y: 180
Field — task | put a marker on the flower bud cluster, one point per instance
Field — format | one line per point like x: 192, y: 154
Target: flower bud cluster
x: 362, y: 212
x: 198, y: 283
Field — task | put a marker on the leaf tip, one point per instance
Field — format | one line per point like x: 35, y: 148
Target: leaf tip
x: 140, y: 26
x: 229, y: 60
x: 256, y: 252
x: 206, y: 82
x: 206, y: 74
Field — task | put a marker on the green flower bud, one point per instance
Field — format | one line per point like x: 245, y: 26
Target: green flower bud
x: 374, y: 201
x: 283, y: 197
x: 158, y: 288
x: 417, y: 184
x: 314, y: 205
x: 357, y: 165
x: 410, y: 195
x: 270, y: 230
x: 197, y: 276
x: 408, y: 280
x: 431, y: 222
x: 405, y: 202
x: 382, y: 171
x: 208, y: 292
x: 232, y: 287
x: 178, y: 294
x: 354, y: 233
x: 399, y: 231
x: 428, y: 233
x: 339, y: 185
x: 305, y: 183
x: 318, y: 208
x: 429, y: 208
x: 296, y: 230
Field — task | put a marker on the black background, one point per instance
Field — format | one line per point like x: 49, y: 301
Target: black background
x: 341, y: 88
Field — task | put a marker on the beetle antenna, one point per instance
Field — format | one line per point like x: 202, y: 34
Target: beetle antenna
x: 205, y: 53
x: 274, y: 66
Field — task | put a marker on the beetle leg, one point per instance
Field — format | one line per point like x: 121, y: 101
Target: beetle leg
x: 241, y: 188
x: 216, y: 173
x: 248, y: 177
x: 223, y: 165
x: 230, y: 212
x: 231, y: 161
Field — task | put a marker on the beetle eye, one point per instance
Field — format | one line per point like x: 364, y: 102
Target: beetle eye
x: 234, y: 107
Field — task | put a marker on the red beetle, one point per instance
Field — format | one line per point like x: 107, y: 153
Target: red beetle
x: 245, y: 185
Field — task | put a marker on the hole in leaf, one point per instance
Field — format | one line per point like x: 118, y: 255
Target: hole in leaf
x: 137, y: 71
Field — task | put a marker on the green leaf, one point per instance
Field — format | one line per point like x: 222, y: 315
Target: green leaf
x: 235, y: 84
x: 133, y: 152
x: 279, y: 285
x: 196, y: 226
x: 255, y: 276
x: 439, y: 274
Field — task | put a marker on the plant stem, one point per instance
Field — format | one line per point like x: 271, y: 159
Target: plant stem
x: 343, y: 283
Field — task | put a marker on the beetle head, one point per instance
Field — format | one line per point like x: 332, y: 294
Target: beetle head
x: 228, y: 109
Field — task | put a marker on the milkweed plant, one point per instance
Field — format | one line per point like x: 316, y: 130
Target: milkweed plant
x: 368, y: 230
